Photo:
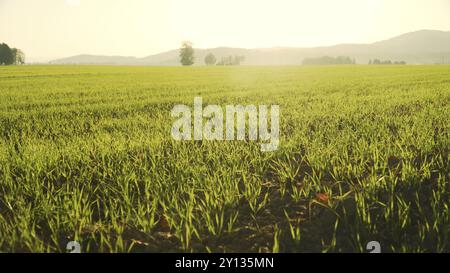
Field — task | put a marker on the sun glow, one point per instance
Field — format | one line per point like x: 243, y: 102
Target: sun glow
x: 60, y: 28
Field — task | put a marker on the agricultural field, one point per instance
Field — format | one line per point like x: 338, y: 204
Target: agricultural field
x: 86, y: 154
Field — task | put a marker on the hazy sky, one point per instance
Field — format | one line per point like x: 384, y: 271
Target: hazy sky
x: 47, y: 29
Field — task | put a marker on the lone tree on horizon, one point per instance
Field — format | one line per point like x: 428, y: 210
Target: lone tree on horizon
x: 210, y: 59
x: 187, y: 54
x: 6, y: 55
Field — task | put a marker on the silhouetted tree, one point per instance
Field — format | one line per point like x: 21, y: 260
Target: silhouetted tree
x: 187, y: 54
x: 19, y: 56
x: 210, y: 59
x: 6, y: 55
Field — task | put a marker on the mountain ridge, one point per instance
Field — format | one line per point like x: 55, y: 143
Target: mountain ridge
x: 418, y: 47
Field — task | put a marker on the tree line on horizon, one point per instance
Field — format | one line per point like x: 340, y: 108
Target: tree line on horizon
x: 326, y: 60
x: 11, y: 56
x: 210, y: 59
x: 377, y: 61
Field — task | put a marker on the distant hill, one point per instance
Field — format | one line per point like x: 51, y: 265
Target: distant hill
x: 96, y: 59
x: 420, y: 47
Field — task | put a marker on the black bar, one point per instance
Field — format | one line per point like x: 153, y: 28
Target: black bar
x: 224, y: 262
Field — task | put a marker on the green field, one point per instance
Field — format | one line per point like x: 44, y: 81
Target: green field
x: 86, y: 154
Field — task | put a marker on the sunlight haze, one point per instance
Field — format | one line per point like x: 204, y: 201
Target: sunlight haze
x: 49, y: 29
